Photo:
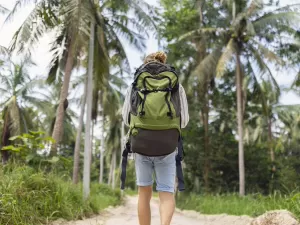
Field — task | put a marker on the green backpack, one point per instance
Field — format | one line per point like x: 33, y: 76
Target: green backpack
x: 155, y: 110
x: 155, y: 113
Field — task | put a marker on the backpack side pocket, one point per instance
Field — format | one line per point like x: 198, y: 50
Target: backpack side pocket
x: 175, y: 99
x: 135, y: 101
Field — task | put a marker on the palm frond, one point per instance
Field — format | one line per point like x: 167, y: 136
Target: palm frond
x: 18, y: 5
x: 258, y: 131
x: 7, y: 82
x: 225, y: 58
x: 136, y: 39
x: 268, y: 54
x: 265, y: 70
x: 3, y: 10
x: 78, y: 14
x: 30, y: 31
x: 204, y: 31
x: 4, y: 51
x: 254, y: 6
x: 37, y: 102
x: 12, y: 114
x: 295, y: 107
x: 266, y: 92
x: 207, y: 68
x: 116, y: 45
x: 296, y: 82
x: 274, y: 19
x: 118, y: 81
x: 59, y: 55
x: 287, y: 8
x: 143, y: 12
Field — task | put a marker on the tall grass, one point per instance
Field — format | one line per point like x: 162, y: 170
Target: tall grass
x: 28, y: 197
x: 252, y: 205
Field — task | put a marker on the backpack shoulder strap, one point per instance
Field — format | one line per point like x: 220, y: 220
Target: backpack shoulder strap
x: 154, y: 68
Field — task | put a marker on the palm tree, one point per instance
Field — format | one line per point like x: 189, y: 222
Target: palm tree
x: 108, y: 43
x: 17, y: 91
x: 110, y: 100
x: 78, y: 137
x: 269, y: 97
x: 248, y: 28
x: 111, y: 19
x: 114, y: 134
x: 50, y: 97
x: 3, y: 11
x: 113, y: 143
x: 289, y: 117
x: 113, y: 22
x: 89, y: 100
x: 69, y: 17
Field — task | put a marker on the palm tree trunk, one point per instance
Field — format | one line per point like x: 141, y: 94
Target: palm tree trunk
x: 196, y: 184
x: 233, y: 10
x: 78, y: 138
x: 92, y: 145
x: 200, y: 10
x: 114, y: 161
x: 87, y: 144
x: 110, y: 172
x: 239, y: 94
x: 58, y: 126
x: 102, y: 142
x: 206, y: 143
x: 270, y: 140
x: 5, y: 139
x: 201, y: 47
x: 101, y: 166
x: 121, y: 143
x: 5, y: 156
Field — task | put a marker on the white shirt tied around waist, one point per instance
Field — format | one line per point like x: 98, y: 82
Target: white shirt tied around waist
x: 183, y: 105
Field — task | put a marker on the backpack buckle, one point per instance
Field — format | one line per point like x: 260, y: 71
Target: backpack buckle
x: 144, y: 91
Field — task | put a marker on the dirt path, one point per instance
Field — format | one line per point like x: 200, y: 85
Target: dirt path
x: 127, y: 215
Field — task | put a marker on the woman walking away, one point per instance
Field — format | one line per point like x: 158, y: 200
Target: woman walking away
x: 155, y: 109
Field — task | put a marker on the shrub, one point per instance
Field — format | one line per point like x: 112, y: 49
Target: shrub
x: 28, y: 197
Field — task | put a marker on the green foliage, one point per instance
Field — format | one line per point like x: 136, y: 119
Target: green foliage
x: 223, y: 154
x: 201, y: 39
x: 232, y: 204
x: 29, y: 197
x: 32, y: 148
x: 28, y: 143
x: 202, y: 43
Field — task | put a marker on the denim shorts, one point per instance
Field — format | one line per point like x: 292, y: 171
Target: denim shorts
x: 162, y: 167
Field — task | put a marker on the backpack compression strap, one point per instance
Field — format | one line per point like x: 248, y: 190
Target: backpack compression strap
x: 179, y: 158
x: 145, y: 92
x: 124, y: 164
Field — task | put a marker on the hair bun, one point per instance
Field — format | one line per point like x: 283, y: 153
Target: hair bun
x: 156, y: 57
x: 161, y: 57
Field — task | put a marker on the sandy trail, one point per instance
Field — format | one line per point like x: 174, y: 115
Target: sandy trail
x: 127, y: 215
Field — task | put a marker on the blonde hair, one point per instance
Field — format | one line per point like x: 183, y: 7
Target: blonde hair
x: 156, y: 57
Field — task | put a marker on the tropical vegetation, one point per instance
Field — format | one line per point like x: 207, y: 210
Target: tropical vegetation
x: 66, y: 124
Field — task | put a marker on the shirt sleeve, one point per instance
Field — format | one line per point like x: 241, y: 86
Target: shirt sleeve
x: 184, y: 107
x: 126, y: 106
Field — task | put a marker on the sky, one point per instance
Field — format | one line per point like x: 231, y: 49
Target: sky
x: 41, y: 55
